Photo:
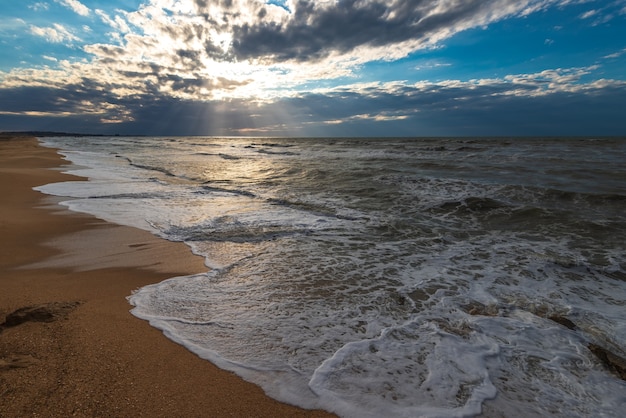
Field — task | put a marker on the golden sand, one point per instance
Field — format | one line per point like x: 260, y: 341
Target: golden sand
x: 68, y: 344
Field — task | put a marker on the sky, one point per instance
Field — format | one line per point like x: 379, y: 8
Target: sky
x: 314, y: 68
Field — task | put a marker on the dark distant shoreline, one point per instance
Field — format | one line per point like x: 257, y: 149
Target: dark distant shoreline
x: 50, y: 133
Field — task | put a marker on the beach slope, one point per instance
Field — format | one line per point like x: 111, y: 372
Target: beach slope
x: 68, y: 344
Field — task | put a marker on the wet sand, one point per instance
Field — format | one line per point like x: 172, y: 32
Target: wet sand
x: 68, y: 343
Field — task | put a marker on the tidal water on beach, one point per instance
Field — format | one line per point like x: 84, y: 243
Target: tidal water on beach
x: 435, y: 277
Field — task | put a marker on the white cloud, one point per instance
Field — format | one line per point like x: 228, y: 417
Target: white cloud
x: 56, y: 34
x: 615, y: 54
x: 522, y: 85
x: 11, y: 25
x: 432, y: 65
x: 588, y: 14
x: 117, y: 23
x: 376, y: 117
x: 39, y: 6
x: 604, y: 14
x: 75, y: 6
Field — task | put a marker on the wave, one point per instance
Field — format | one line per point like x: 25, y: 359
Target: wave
x: 152, y: 168
x: 314, y: 209
x: 228, y: 157
x: 388, y: 279
x: 141, y: 195
x: 214, y: 189
x: 264, y: 151
x: 473, y: 204
x: 272, y: 145
x: 224, y: 229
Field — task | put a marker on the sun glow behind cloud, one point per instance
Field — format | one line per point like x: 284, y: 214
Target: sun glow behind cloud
x: 200, y: 50
x: 257, y: 53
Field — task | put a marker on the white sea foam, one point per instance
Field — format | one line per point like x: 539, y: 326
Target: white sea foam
x: 377, y: 279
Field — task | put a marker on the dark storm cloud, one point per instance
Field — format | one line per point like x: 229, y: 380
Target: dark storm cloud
x: 77, y: 108
x: 314, y: 31
x: 51, y: 99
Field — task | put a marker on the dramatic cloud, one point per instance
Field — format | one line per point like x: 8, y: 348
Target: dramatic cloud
x: 253, y: 67
x: 526, y: 102
x: 249, y: 49
x: 386, y: 29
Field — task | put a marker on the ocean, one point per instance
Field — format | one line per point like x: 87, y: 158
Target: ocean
x: 396, y: 277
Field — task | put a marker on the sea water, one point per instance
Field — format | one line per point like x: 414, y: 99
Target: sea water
x: 383, y: 277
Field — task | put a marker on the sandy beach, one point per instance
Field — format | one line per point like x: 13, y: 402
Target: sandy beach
x: 68, y: 343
